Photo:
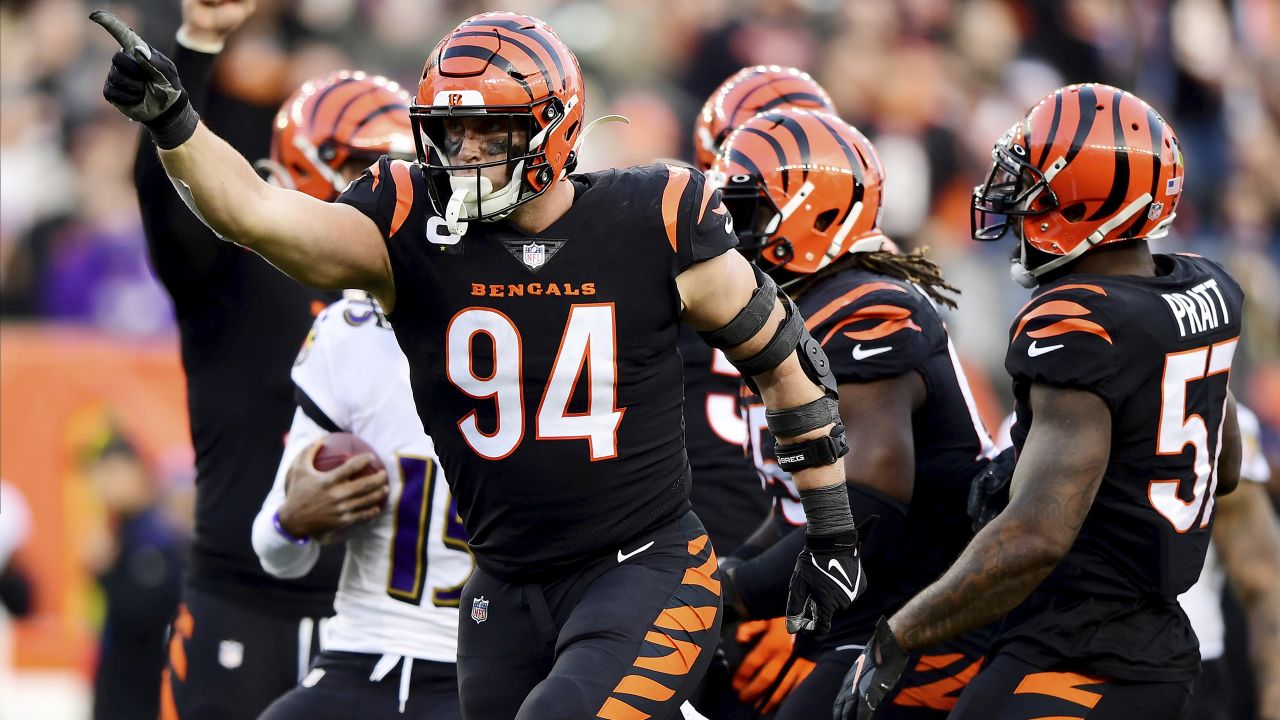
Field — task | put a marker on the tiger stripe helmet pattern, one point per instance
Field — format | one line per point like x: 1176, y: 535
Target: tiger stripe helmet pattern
x: 804, y: 187
x: 506, y: 66
x: 747, y: 92
x: 331, y: 121
x: 1088, y: 165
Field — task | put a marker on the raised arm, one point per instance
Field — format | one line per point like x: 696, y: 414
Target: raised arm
x: 319, y: 244
x: 185, y: 254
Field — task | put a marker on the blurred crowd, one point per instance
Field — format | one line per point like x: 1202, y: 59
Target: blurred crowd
x: 932, y: 82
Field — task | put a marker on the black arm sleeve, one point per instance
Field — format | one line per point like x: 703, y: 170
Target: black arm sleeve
x: 184, y: 252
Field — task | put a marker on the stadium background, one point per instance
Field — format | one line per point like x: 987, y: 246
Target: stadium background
x: 87, y: 344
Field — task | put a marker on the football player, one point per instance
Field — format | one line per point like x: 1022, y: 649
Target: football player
x: 1125, y: 432
x: 397, y: 600
x: 715, y: 432
x: 538, y: 311
x: 805, y: 191
x: 398, y: 594
x: 241, y: 637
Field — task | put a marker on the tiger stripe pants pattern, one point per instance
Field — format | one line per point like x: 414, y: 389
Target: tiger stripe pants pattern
x: 627, y: 637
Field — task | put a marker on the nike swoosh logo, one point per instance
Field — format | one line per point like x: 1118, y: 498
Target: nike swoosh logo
x: 860, y: 354
x: 1034, y: 350
x: 834, y: 564
x: 623, y: 557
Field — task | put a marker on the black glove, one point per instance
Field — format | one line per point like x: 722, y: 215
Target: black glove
x: 143, y: 84
x: 827, y: 579
x: 989, y: 489
x: 872, y: 677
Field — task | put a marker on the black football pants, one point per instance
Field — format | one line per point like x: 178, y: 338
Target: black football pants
x: 230, y: 660
x: 1013, y: 689
x: 342, y: 686
x: 625, y: 637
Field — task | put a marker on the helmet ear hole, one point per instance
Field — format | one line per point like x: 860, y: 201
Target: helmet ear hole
x: 824, y: 219
x: 327, y: 151
x: 1073, y: 213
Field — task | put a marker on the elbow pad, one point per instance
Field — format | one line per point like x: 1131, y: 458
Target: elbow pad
x: 791, y: 335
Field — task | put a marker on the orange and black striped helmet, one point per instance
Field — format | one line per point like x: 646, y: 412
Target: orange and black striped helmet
x: 749, y: 91
x: 1088, y: 165
x: 804, y: 187
x: 515, y: 70
x: 329, y: 122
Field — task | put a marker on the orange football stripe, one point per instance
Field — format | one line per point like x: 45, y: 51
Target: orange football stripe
x: 707, y: 193
x: 940, y: 694
x: 1063, y: 327
x: 696, y: 544
x: 376, y: 171
x: 893, y: 317
x: 1053, y: 307
x: 677, y: 662
x: 615, y: 709
x: 689, y: 619
x: 404, y: 193
x: 701, y: 575
x: 834, y: 306
x: 677, y: 179
x: 644, y: 687
x: 937, y: 662
x: 183, y: 626
x: 1062, y: 685
x: 168, y: 706
x: 1072, y: 286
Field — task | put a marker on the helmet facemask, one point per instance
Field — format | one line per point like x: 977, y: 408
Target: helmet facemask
x: 755, y: 219
x: 461, y: 192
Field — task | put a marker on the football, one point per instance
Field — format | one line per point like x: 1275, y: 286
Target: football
x: 339, y: 447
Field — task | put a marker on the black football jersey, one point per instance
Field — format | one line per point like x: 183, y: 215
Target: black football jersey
x: 545, y: 366
x: 726, y: 493
x: 874, y: 327
x: 1158, y: 351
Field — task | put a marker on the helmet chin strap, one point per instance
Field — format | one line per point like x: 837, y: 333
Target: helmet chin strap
x: 465, y: 203
x: 1028, y: 277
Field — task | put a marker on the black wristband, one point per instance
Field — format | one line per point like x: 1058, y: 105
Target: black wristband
x: 176, y: 125
x: 827, y: 511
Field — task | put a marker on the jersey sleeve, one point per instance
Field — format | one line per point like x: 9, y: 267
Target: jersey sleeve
x: 1066, y: 337
x: 697, y: 224
x: 316, y: 390
x: 873, y: 332
x: 385, y: 194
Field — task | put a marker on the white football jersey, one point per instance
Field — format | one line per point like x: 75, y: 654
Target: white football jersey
x: 404, y: 570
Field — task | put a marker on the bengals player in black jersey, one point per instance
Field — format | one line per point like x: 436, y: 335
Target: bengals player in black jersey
x: 805, y: 191
x: 1125, y: 431
x: 539, y: 311
x: 725, y: 480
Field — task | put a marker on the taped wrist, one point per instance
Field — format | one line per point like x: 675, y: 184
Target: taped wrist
x: 827, y: 511
x: 825, y: 450
x: 176, y: 125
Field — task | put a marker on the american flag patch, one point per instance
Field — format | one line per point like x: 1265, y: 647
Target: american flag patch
x: 1174, y: 186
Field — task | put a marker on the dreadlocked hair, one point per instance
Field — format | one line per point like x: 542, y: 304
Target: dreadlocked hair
x: 912, y: 267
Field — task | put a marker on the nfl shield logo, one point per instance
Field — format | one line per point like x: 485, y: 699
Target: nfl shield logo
x: 1156, y: 209
x: 479, y: 609
x: 535, y: 255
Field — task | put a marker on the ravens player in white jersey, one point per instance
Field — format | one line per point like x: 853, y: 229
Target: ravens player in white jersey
x: 392, y: 646
x: 539, y: 311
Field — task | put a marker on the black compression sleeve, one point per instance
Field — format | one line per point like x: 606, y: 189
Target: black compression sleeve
x: 183, y: 251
